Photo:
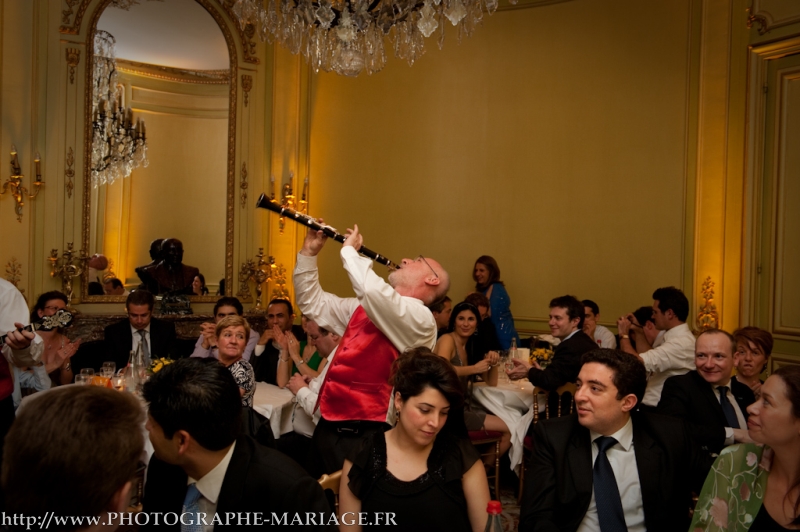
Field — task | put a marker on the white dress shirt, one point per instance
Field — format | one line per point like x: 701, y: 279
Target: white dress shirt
x: 14, y: 309
x: 739, y: 414
x: 405, y: 321
x: 675, y: 356
x: 604, y: 337
x: 137, y: 338
x: 623, y: 463
x: 209, y: 487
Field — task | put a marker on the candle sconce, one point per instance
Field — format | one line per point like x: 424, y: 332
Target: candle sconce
x: 67, y: 267
x: 14, y: 183
x: 289, y: 200
x: 258, y: 271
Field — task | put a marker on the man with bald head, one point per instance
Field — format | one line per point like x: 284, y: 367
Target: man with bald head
x: 382, y: 321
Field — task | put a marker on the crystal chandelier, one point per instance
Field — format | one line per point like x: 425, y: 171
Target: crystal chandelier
x: 347, y: 36
x: 118, y: 145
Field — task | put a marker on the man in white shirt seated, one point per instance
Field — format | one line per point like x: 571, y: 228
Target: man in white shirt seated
x: 206, y: 345
x: 609, y: 467
x: 297, y: 443
x: 713, y: 405
x: 114, y: 287
x: 60, y: 462
x: 600, y: 334
x: 204, y: 465
x: 644, y: 337
x: 675, y: 356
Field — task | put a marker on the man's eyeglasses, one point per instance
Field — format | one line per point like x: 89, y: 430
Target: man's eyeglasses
x: 428, y: 264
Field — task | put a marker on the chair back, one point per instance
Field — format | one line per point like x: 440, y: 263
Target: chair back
x: 565, y: 403
x: 331, y: 482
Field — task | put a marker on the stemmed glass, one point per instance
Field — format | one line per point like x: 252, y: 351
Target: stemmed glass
x: 108, y: 369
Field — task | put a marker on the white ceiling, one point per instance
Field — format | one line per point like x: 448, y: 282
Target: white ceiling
x: 174, y: 33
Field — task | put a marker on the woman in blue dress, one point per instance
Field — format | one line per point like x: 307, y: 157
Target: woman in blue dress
x: 487, y: 281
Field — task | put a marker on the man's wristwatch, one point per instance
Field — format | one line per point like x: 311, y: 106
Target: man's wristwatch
x: 624, y: 337
x: 300, y: 363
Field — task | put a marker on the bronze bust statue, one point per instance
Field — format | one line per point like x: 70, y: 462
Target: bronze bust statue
x: 169, y: 275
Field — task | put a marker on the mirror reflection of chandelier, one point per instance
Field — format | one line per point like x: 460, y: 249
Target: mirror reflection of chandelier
x: 118, y: 145
x: 347, y: 36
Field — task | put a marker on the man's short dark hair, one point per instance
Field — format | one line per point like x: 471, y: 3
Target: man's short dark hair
x: 229, y: 301
x: 438, y: 305
x: 115, y: 283
x: 477, y: 299
x: 724, y: 333
x: 200, y: 396
x: 630, y: 376
x: 592, y: 305
x: 573, y: 307
x: 643, y: 315
x: 86, y: 439
x: 279, y: 300
x: 140, y: 297
x: 671, y: 298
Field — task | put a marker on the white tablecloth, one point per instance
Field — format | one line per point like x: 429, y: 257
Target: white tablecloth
x: 275, y: 404
x: 513, y: 406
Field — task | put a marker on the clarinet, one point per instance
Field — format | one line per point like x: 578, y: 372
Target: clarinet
x: 265, y: 203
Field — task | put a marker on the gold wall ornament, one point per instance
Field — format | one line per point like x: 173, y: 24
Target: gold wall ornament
x: 70, y: 173
x: 279, y: 278
x: 260, y: 272
x: 753, y: 18
x: 247, y: 84
x: 66, y: 14
x: 243, y: 185
x: 14, y: 182
x: 244, y: 277
x: 14, y: 273
x: 708, y: 318
x: 73, y: 58
x: 67, y: 267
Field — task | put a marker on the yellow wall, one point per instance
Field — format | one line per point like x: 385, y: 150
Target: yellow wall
x: 556, y: 139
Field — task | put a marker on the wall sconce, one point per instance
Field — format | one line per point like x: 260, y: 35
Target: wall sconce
x: 18, y: 191
x: 68, y: 267
x: 259, y: 271
x: 288, y: 199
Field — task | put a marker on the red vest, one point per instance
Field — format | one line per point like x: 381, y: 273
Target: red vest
x: 357, y: 387
x: 6, y: 382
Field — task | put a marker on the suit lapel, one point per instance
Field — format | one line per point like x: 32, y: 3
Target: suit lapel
x: 233, y: 485
x: 710, y: 397
x: 648, y: 462
x: 579, y: 459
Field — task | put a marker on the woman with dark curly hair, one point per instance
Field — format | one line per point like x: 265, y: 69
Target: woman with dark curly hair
x: 421, y: 470
x: 486, y: 275
x: 58, y: 349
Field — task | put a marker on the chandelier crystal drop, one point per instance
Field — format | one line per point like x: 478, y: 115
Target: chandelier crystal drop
x: 118, y: 144
x: 348, y: 36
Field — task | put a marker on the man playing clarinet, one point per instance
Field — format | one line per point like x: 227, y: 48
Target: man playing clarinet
x: 382, y: 321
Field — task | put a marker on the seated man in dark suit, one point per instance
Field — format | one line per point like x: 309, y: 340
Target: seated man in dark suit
x: 566, y: 323
x: 267, y: 353
x: 62, y: 462
x: 157, y: 337
x: 203, y: 464
x: 608, y: 467
x: 702, y: 397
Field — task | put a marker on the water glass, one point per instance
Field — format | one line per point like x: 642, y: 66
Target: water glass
x: 89, y: 372
x: 118, y: 382
x: 82, y: 380
x: 110, y: 365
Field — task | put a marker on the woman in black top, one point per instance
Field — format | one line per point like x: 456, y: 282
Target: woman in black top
x: 423, y: 472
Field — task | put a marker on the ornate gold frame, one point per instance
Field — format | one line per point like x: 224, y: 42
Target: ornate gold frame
x: 212, y: 7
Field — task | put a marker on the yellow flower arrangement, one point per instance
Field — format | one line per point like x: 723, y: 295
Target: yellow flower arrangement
x: 158, y: 363
x: 542, y: 356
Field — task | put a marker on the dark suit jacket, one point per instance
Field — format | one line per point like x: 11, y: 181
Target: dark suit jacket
x: 692, y: 399
x: 118, y: 339
x: 566, y: 363
x: 559, y: 483
x: 258, y: 479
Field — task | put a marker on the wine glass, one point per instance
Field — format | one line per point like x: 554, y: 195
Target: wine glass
x: 82, y: 379
x: 111, y: 366
x: 89, y: 372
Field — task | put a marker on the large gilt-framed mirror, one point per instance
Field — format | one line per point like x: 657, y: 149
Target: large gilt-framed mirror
x: 176, y: 67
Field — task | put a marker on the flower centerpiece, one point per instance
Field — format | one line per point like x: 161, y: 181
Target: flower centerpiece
x: 542, y: 356
x: 158, y: 363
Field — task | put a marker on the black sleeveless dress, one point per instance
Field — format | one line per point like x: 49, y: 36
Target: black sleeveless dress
x: 432, y: 502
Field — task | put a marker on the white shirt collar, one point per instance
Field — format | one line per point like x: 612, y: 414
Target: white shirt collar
x: 210, y: 485
x: 135, y: 331
x: 624, y: 436
x: 570, y: 335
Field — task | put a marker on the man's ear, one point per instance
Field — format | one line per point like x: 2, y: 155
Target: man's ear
x: 629, y: 402
x: 182, y: 440
x: 432, y: 280
x: 119, y: 501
